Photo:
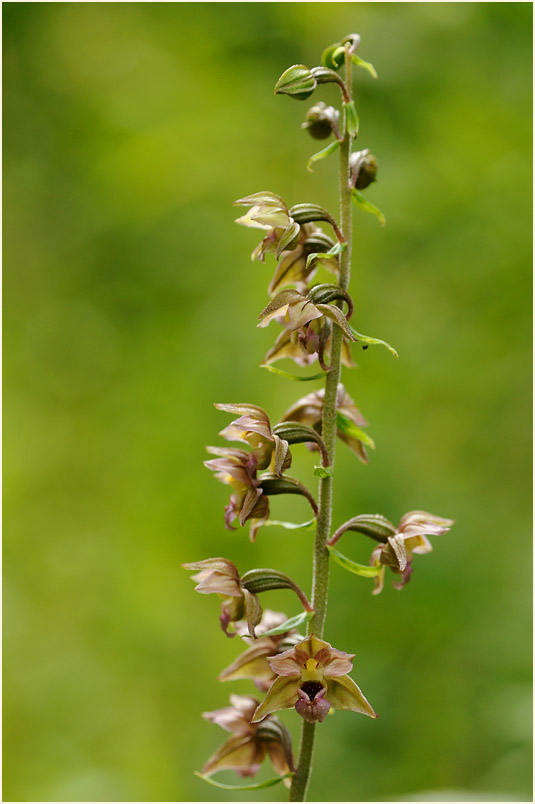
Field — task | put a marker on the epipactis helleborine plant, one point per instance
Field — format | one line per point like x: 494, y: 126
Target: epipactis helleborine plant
x: 301, y: 671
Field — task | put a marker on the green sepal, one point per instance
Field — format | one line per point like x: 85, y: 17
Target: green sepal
x: 327, y: 293
x: 309, y: 525
x: 349, y: 428
x: 293, y: 622
x: 289, y: 238
x: 330, y: 149
x: 351, y: 566
x: 293, y: 377
x: 357, y: 336
x: 297, y: 81
x: 362, y: 203
x: 264, y: 197
x: 272, y: 484
x: 297, y: 433
x: 352, y: 118
x: 333, y: 56
x: 364, y: 64
x: 257, y: 786
x: 323, y: 471
x: 375, y: 526
x: 308, y: 213
x: 262, y: 580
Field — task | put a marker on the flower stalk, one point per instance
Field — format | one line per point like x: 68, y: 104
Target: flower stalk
x: 320, y: 577
x: 295, y: 671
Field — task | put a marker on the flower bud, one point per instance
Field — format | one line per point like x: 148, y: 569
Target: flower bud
x: 363, y: 167
x: 321, y: 120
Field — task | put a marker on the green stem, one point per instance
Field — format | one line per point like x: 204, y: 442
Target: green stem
x: 320, y: 577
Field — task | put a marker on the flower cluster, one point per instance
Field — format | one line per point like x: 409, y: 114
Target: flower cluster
x: 294, y: 670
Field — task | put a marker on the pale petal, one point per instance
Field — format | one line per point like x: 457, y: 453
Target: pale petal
x: 335, y: 662
x: 287, y: 664
x: 281, y: 695
x: 251, y: 664
x: 343, y: 693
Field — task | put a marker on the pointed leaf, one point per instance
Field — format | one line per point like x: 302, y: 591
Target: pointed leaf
x: 357, y: 336
x: 330, y: 149
x: 337, y: 249
x: 293, y: 377
x: 256, y: 786
x: 293, y: 622
x: 291, y: 525
x: 323, y: 471
x: 333, y: 56
x: 365, y: 65
x: 363, y: 570
x: 352, y: 118
x: 349, y: 428
x: 362, y: 203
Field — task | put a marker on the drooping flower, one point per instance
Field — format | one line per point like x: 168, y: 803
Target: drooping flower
x: 237, y: 468
x: 254, y: 428
x: 307, y: 323
x: 410, y: 537
x: 309, y: 410
x: 221, y: 577
x: 312, y: 677
x: 253, y: 663
x: 245, y: 750
x: 269, y: 212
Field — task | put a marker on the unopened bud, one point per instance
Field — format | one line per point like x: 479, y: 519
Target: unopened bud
x: 363, y: 166
x: 320, y: 121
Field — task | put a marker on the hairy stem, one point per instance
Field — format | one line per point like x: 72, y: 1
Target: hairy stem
x: 320, y: 578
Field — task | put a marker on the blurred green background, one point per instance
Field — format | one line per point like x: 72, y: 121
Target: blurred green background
x: 130, y: 306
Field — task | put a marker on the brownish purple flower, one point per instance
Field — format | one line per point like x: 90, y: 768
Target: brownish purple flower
x: 253, y: 663
x: 237, y: 468
x: 246, y: 749
x: 410, y: 537
x: 221, y: 577
x: 309, y: 410
x: 312, y: 677
x: 254, y: 428
x: 307, y: 323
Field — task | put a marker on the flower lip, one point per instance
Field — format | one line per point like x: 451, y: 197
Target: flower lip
x: 311, y: 688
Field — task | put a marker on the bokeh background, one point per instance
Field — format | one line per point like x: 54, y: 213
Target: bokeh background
x: 130, y: 305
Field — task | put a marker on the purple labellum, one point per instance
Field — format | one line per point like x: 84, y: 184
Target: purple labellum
x: 312, y: 705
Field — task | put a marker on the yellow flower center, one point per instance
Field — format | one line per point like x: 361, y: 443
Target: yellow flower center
x: 312, y: 670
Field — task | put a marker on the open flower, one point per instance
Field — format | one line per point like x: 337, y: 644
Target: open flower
x: 312, y: 677
x: 410, y: 537
x: 307, y: 323
x: 269, y: 212
x: 245, y: 750
x: 309, y: 410
x: 221, y: 577
x: 254, y: 428
x: 253, y: 662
